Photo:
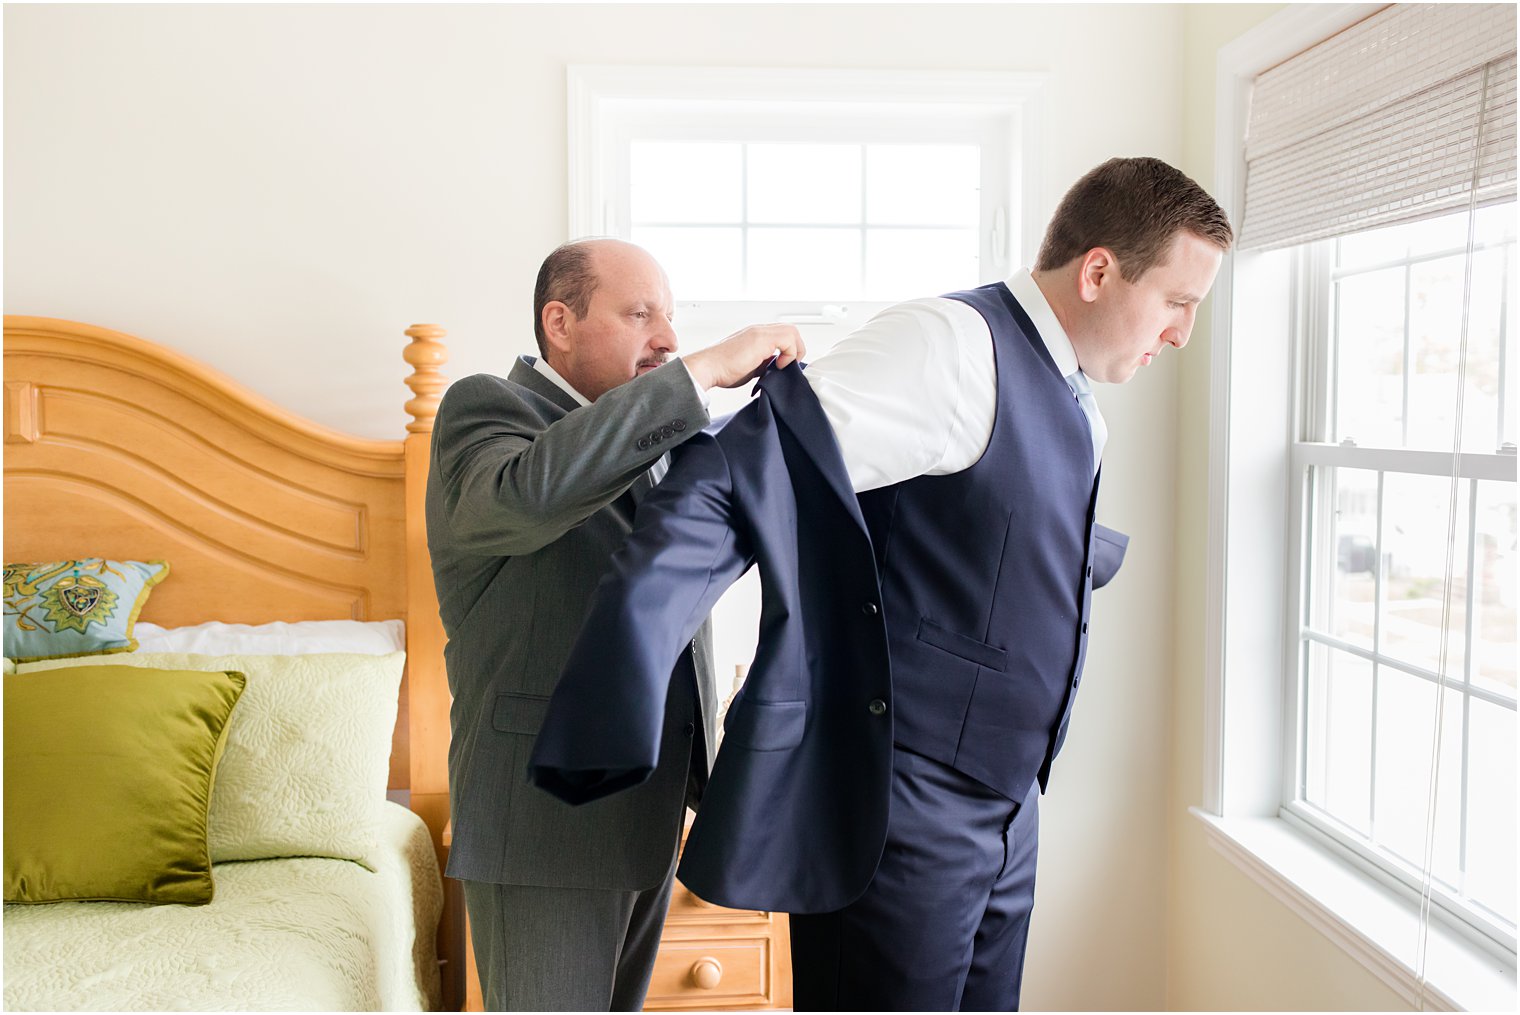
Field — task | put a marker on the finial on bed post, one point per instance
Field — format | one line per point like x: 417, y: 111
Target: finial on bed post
x: 426, y: 353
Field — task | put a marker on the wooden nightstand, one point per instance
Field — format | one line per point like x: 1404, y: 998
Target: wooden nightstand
x: 711, y: 959
x: 717, y: 959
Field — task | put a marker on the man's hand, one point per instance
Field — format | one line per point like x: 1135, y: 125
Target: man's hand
x: 740, y: 356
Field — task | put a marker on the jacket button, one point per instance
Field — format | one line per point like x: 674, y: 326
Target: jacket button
x: 1084, y: 628
x: 643, y: 444
x: 678, y: 425
x: 691, y: 729
x: 1089, y: 571
x: 869, y: 609
x: 877, y: 707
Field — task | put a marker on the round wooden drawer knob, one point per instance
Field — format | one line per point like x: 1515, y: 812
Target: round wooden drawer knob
x: 707, y: 973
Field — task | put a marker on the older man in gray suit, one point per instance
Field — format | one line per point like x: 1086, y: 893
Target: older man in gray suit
x: 532, y: 487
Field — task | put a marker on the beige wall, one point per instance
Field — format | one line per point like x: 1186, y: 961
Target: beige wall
x: 1230, y: 945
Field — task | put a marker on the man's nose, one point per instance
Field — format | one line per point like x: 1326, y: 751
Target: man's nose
x: 665, y: 339
x: 1178, y: 337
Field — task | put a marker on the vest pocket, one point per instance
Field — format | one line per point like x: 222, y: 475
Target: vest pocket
x: 765, y: 725
x: 969, y: 649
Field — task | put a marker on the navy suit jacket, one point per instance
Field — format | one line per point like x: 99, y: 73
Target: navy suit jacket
x: 795, y: 812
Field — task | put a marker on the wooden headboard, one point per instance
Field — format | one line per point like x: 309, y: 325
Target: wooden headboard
x: 116, y: 447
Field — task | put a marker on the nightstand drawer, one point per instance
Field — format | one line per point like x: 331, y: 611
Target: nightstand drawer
x: 684, y: 906
x: 711, y: 973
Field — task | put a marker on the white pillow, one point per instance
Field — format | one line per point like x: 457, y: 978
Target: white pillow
x: 305, y: 637
x: 308, y: 750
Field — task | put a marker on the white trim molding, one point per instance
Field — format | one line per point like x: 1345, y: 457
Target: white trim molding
x: 1375, y: 922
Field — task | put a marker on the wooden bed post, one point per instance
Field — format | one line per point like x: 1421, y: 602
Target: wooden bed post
x: 424, y: 630
x: 428, y: 693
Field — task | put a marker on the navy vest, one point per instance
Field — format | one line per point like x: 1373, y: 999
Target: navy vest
x: 985, y: 574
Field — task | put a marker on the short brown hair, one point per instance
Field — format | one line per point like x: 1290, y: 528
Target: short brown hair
x: 1133, y: 207
x: 567, y: 276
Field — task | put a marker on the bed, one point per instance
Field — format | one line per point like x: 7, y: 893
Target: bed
x: 121, y: 449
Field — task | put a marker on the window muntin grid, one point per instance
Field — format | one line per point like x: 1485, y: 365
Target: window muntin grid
x: 769, y: 220
x: 1376, y: 494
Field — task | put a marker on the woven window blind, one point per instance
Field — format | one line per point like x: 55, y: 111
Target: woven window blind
x: 1378, y: 124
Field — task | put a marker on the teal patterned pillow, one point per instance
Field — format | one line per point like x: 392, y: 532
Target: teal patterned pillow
x: 75, y: 607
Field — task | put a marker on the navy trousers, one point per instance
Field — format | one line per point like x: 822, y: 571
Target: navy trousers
x: 944, y: 922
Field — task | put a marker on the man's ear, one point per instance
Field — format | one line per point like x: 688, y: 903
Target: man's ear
x: 1098, y: 266
x: 557, y: 320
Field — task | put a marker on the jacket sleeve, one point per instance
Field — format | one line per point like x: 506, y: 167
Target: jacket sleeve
x: 510, y: 487
x: 603, y: 727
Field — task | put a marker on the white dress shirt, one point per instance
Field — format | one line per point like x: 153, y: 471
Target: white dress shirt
x: 914, y: 392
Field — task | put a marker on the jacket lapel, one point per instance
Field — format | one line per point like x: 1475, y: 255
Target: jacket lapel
x: 797, y: 409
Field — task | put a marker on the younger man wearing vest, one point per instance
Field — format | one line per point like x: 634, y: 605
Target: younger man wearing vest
x: 927, y: 585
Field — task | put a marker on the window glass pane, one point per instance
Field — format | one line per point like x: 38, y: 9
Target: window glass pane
x: 1338, y: 754
x: 1491, y: 808
x: 923, y: 185
x: 803, y: 183
x: 1415, y: 511
x: 803, y: 264
x: 1435, y: 328
x: 905, y: 264
x: 1406, y: 717
x: 1343, y: 595
x: 1369, y: 370
x: 1395, y: 243
x: 1480, y: 413
x: 1435, y: 335
x: 702, y: 262
x: 684, y: 181
x: 1494, y: 627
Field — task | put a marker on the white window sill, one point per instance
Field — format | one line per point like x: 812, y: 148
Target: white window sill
x: 1377, y: 925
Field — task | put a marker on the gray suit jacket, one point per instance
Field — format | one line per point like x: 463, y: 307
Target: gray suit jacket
x: 528, y: 497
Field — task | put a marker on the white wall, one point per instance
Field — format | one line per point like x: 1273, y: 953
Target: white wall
x: 1230, y: 945
x: 279, y: 191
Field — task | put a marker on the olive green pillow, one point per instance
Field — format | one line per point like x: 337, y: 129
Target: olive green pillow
x: 108, y: 776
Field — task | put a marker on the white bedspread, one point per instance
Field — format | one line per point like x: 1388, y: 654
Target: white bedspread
x: 280, y: 935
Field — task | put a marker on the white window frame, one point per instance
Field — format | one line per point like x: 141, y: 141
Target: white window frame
x: 1252, y: 620
x: 1004, y: 113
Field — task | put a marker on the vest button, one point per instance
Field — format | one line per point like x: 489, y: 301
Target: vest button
x: 1089, y: 571
x: 877, y: 707
x: 869, y: 609
x: 691, y: 729
x: 1084, y: 628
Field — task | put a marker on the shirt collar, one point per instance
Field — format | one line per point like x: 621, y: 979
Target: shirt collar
x: 542, y: 366
x: 1057, y: 343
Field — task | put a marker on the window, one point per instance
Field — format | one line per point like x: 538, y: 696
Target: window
x: 816, y: 197
x: 799, y: 220
x: 1353, y: 140
x: 1380, y: 352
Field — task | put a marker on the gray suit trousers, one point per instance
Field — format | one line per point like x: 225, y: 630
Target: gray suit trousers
x: 515, y: 928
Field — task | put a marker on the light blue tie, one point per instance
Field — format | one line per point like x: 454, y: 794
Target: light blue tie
x: 1080, y: 387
